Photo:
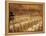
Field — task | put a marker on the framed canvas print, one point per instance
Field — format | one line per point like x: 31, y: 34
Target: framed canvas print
x: 24, y: 18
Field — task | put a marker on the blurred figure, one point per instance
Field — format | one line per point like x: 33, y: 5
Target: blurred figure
x: 11, y: 20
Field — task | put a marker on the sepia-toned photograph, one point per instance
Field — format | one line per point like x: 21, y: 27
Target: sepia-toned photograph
x: 25, y: 17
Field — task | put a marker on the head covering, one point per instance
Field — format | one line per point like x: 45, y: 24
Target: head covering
x: 11, y: 14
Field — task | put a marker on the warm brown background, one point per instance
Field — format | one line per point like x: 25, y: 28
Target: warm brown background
x: 21, y: 9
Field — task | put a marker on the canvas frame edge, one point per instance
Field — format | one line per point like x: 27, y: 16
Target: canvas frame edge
x: 7, y: 18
